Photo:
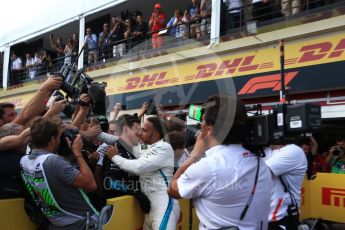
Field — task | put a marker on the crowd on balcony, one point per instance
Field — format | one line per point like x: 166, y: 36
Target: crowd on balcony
x: 122, y: 34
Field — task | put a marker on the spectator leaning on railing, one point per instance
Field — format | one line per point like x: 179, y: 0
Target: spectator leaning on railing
x: 30, y: 66
x: 105, y: 42
x: 59, y: 48
x: 205, y: 13
x: 139, y: 30
x: 157, y: 22
x: 91, y: 44
x: 117, y: 37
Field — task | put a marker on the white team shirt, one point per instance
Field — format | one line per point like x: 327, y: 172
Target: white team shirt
x: 17, y: 64
x: 221, y: 184
x: 290, y: 162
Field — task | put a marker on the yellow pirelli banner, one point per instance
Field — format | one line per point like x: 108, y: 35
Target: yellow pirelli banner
x: 324, y: 197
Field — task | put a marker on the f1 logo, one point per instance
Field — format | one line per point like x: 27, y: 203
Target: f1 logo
x: 266, y: 82
x: 333, y: 197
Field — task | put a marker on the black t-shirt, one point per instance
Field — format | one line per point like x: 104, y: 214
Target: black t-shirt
x: 143, y: 27
x: 119, y: 33
x: 117, y: 180
x: 10, y: 180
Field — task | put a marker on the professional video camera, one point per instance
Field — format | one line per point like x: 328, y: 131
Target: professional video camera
x: 74, y: 82
x: 283, y: 125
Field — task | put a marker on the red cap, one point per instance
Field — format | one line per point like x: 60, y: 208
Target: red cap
x: 157, y: 6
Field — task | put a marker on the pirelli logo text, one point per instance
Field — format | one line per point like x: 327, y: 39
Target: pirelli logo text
x: 333, y: 197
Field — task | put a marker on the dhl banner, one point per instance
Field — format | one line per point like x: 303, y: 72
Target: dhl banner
x: 312, y: 64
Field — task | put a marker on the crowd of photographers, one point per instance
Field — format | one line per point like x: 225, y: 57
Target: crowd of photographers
x: 67, y: 170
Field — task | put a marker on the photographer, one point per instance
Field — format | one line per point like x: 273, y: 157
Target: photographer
x: 55, y: 185
x: 336, y: 157
x: 231, y: 183
x: 288, y: 165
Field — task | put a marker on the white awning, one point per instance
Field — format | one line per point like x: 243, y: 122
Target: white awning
x: 62, y: 13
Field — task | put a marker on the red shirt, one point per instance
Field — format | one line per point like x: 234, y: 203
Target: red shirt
x: 158, y: 21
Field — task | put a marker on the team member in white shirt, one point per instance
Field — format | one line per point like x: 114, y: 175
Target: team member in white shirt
x: 288, y: 161
x: 222, y: 184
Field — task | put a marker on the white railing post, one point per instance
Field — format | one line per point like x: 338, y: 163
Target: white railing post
x: 215, y: 23
x: 6, y: 63
x: 81, y: 40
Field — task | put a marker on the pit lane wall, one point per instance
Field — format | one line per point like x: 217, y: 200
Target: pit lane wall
x: 314, y: 61
x: 322, y: 198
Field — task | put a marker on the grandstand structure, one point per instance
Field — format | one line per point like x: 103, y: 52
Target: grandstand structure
x: 188, y: 69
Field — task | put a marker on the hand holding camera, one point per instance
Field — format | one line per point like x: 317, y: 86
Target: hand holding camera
x: 336, y: 151
x: 112, y: 151
x: 57, y: 107
x: 77, y: 145
x: 52, y: 83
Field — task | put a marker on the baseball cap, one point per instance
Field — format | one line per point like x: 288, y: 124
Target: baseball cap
x: 157, y: 6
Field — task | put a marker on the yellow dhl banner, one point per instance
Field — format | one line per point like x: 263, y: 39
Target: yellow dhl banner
x: 298, y: 53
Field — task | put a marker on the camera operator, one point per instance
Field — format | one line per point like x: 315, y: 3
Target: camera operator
x: 288, y: 165
x: 155, y: 168
x: 54, y: 184
x: 336, y: 156
x: 231, y: 186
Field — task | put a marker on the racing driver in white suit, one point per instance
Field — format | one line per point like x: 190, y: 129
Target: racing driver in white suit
x: 155, y: 167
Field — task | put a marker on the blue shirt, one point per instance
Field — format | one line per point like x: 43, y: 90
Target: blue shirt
x: 92, y: 43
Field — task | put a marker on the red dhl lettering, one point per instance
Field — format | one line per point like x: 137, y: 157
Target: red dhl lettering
x: 333, y: 197
x: 206, y: 70
x: 266, y: 82
x: 227, y: 67
x: 146, y: 81
x: 318, y: 51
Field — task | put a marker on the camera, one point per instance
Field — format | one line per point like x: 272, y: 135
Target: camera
x: 69, y: 108
x: 74, y: 82
x: 337, y: 150
x: 64, y: 149
x: 283, y: 125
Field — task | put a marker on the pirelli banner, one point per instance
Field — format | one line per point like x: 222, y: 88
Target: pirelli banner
x: 312, y: 64
x: 324, y: 197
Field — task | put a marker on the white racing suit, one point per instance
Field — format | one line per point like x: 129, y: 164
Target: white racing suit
x: 155, y: 167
